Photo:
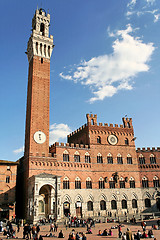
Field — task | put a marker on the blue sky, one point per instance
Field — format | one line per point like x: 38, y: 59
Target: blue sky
x: 106, y: 61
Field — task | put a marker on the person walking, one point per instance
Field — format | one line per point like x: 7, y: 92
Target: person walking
x: 129, y: 235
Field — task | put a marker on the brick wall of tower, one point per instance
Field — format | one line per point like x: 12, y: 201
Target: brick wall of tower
x: 38, y: 104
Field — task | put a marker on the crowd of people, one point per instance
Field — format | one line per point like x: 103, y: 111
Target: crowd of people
x: 33, y: 231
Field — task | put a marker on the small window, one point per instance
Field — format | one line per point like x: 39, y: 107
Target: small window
x: 99, y: 158
x: 156, y: 182
x: 102, y: 205
x: 90, y: 206
x: 66, y: 184
x: 152, y: 159
x: 66, y: 157
x: 77, y: 184
x: 89, y: 184
x: 112, y: 184
x: 122, y: 184
x: 126, y: 141
x: 42, y: 28
x: 132, y: 184
x: 99, y: 139
x: 129, y: 160
x: 124, y: 204
x: 87, y: 158
x: 113, y: 204
x: 134, y: 203
x: 110, y: 159
x: 119, y: 160
x: 101, y: 184
x: 145, y: 183
x: 8, y: 179
x: 41, y: 60
x: 77, y: 158
x: 142, y: 159
x: 147, y: 203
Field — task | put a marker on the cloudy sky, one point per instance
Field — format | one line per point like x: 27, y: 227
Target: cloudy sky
x: 106, y: 62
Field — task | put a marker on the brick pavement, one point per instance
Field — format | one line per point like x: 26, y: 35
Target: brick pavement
x: 99, y: 226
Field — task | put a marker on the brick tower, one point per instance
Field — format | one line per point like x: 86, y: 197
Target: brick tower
x: 39, y: 51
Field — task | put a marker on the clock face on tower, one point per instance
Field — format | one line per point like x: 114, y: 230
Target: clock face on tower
x: 39, y: 137
x: 112, y: 139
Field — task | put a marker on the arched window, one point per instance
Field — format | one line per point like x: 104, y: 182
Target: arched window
x: 88, y: 183
x: 99, y: 158
x: 87, y: 158
x: 99, y: 139
x: 124, y: 204
x: 109, y: 159
x: 145, y: 182
x: 141, y: 159
x: 132, y: 183
x: 66, y: 183
x: 65, y: 156
x: 7, y: 179
x: 126, y: 141
x: 111, y: 183
x: 76, y: 157
x: 90, y: 206
x: 121, y: 183
x: 42, y: 27
x: 129, y: 159
x: 101, y: 183
x: 102, y: 205
x: 113, y: 204
x: 119, y: 159
x: 156, y: 181
x: 152, y: 159
x: 147, y: 203
x: 77, y: 183
x: 134, y: 203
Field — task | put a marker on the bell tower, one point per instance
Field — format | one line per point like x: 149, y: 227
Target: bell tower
x: 39, y: 52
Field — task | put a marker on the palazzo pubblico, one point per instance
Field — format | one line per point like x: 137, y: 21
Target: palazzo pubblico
x: 98, y: 172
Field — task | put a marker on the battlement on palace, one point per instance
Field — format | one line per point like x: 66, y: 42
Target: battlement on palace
x: 92, y: 121
x: 148, y: 149
x: 69, y: 145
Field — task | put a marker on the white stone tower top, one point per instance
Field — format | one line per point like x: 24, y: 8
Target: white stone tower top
x: 40, y: 43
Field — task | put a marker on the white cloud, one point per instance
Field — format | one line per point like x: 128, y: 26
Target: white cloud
x: 19, y: 150
x: 58, y: 132
x: 108, y: 74
x: 150, y: 1
x: 132, y: 3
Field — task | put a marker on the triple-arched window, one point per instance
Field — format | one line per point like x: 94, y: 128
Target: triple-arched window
x: 119, y: 159
x: 141, y: 159
x: 156, y: 181
x: 101, y: 183
x: 77, y: 183
x: 65, y: 156
x: 88, y: 183
x: 87, y: 158
x: 77, y: 157
x: 129, y: 159
x: 152, y: 159
x: 145, y: 182
x: 109, y: 158
x: 66, y: 183
x: 99, y: 158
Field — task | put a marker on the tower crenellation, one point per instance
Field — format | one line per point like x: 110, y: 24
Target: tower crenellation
x: 40, y: 43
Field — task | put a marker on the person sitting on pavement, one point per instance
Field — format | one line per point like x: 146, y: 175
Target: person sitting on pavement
x: 150, y: 233
x: 61, y: 234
